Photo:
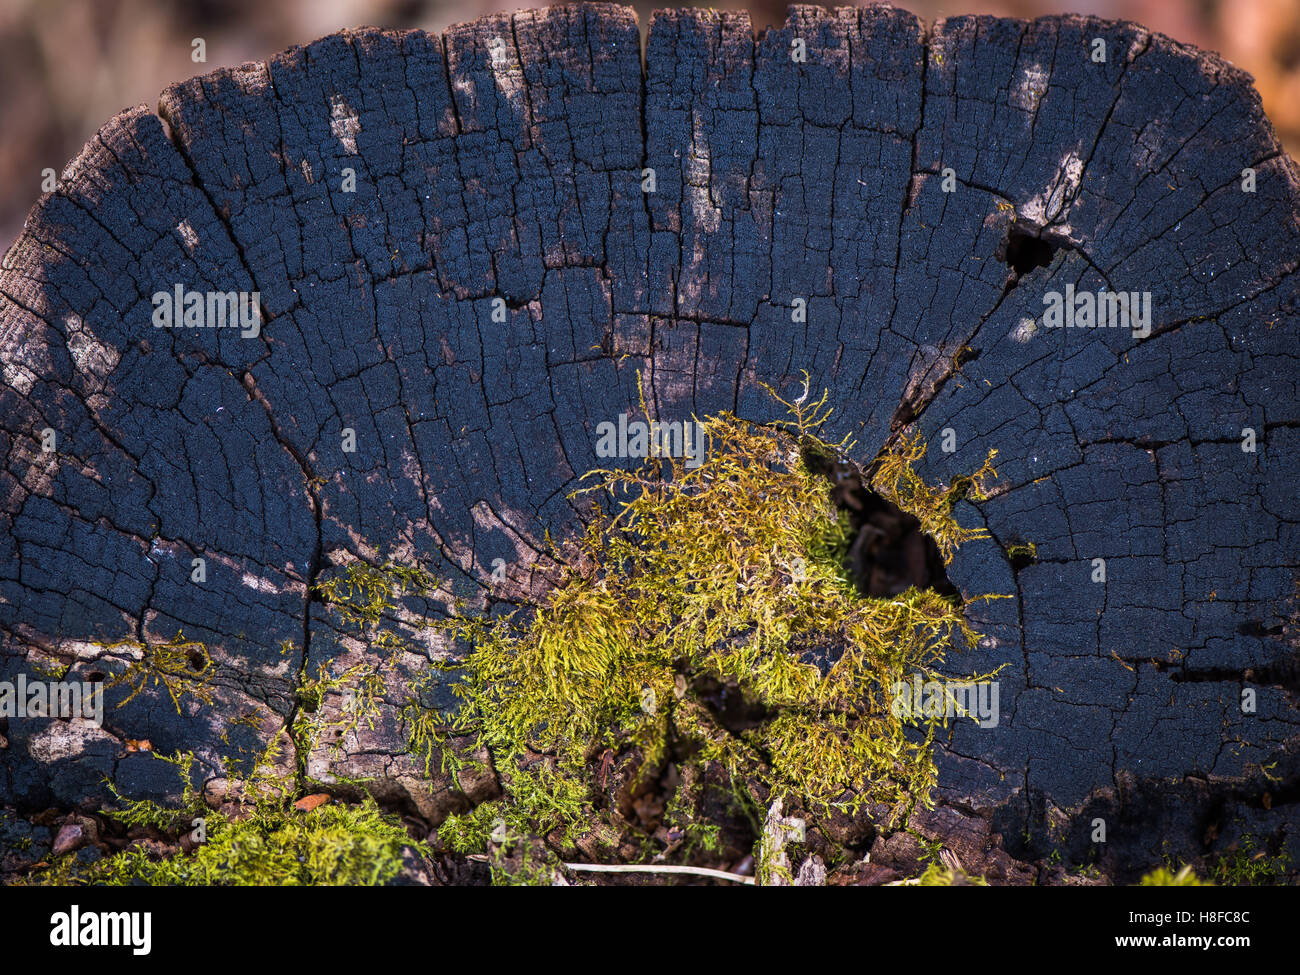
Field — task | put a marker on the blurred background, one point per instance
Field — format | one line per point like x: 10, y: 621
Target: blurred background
x: 66, y: 66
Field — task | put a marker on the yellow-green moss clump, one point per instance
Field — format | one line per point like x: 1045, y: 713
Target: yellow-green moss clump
x: 1246, y: 863
x: 1249, y: 864
x: 183, y: 667
x: 678, y: 646
x: 263, y: 841
x: 1166, y: 877
x: 945, y: 875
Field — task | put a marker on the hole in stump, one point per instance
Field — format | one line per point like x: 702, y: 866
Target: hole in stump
x: 1020, y: 555
x: 889, y: 552
x: 1026, y: 251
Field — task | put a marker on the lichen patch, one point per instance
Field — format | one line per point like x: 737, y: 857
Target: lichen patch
x: 344, y: 124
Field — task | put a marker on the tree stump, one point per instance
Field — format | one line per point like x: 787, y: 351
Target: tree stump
x: 466, y: 248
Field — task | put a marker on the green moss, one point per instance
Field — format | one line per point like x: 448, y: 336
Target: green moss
x: 939, y: 875
x: 47, y: 668
x: 266, y: 842
x: 893, y: 475
x: 1248, y: 864
x: 427, y: 739
x: 364, y: 594
x: 695, y: 584
x: 539, y: 801
x: 183, y: 667
x: 361, y: 687
x: 1167, y: 877
x: 665, y: 679
x: 1022, y: 553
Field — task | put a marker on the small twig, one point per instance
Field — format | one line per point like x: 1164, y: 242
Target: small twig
x: 659, y: 868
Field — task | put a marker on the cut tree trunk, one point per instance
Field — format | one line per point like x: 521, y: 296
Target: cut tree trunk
x: 917, y: 191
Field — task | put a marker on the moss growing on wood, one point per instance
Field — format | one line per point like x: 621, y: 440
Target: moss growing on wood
x: 1021, y: 554
x: 184, y: 667
x: 262, y: 841
x: 682, y: 634
x: 1168, y: 877
x: 701, y: 655
x: 1249, y: 863
x: 362, y: 594
x: 362, y: 688
x: 945, y: 875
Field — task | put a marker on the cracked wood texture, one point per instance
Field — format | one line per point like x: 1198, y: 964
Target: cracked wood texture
x: 504, y: 159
